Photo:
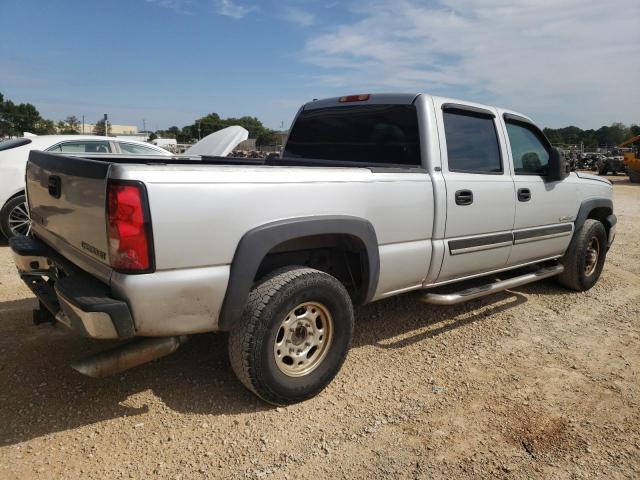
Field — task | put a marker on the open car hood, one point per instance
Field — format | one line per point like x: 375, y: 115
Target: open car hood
x: 220, y: 143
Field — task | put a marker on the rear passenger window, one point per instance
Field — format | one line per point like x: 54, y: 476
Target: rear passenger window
x: 367, y: 134
x: 133, y: 149
x: 472, y: 142
x: 529, y: 151
x: 82, y: 147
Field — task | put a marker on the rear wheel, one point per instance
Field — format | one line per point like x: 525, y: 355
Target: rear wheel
x: 294, y: 335
x: 584, y: 260
x: 14, y: 217
x: 634, y: 177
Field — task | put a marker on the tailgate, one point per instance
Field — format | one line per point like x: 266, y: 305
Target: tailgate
x: 67, y: 199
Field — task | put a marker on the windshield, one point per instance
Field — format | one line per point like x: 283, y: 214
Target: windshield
x: 370, y: 134
x: 13, y: 143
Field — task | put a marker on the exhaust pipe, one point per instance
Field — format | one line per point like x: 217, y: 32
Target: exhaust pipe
x: 129, y: 355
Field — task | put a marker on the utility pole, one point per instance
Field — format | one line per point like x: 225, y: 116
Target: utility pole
x: 83, y: 124
x: 144, y: 125
x: 106, y: 125
x: 198, y: 129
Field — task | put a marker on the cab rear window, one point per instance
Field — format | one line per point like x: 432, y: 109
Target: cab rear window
x: 367, y: 134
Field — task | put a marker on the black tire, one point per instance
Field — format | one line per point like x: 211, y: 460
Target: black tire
x: 9, y: 207
x: 634, y: 177
x: 575, y: 261
x: 252, y: 340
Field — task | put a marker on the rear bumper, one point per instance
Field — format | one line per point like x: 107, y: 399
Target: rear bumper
x: 160, y: 304
x: 77, y: 299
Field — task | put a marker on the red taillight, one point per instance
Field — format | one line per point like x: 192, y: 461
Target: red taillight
x: 354, y: 98
x: 128, y: 227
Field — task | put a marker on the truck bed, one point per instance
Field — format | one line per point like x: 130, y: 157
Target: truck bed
x: 201, y: 209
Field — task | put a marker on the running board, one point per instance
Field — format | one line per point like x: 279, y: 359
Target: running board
x: 489, y: 288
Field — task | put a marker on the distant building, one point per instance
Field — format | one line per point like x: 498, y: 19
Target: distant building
x: 140, y: 137
x: 115, y: 129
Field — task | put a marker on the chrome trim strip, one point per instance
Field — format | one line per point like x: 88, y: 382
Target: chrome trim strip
x: 479, y: 248
x: 480, y: 242
x: 545, y: 230
x: 541, y: 237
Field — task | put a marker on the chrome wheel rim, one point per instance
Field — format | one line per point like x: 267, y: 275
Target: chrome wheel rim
x: 591, y: 257
x: 19, y: 220
x: 303, y: 339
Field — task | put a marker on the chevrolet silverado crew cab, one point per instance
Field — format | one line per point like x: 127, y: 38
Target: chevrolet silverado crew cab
x: 373, y: 196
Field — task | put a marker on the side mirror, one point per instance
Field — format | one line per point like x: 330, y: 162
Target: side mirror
x: 558, y: 166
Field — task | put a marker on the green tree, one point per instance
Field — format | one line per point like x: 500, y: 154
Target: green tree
x: 44, y: 127
x: 99, y: 128
x: 553, y: 135
x: 15, y: 119
x: 212, y: 123
x: 70, y: 125
x: 267, y: 138
x: 171, y: 132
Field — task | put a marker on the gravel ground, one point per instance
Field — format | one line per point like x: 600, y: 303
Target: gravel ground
x: 537, y: 382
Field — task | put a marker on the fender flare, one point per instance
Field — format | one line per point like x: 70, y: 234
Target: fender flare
x: 587, y: 206
x: 256, y: 243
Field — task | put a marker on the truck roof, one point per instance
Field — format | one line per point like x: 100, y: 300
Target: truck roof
x: 400, y: 99
x: 374, y: 98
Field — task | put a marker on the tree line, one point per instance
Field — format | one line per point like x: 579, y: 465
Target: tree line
x: 605, y: 136
x: 17, y: 118
x: 212, y: 123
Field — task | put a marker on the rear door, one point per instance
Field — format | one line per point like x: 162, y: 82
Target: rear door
x: 480, y: 190
x: 545, y: 210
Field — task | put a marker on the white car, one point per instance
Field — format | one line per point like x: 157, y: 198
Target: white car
x: 14, y: 217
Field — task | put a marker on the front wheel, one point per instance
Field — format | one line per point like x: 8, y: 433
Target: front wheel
x: 294, y: 335
x: 14, y: 217
x: 584, y: 260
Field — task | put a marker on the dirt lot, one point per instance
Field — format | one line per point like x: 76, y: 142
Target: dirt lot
x: 533, y: 383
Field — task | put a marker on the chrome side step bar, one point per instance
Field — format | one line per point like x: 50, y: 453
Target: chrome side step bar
x: 489, y: 288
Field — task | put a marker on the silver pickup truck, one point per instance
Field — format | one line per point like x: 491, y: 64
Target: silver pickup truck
x: 373, y: 196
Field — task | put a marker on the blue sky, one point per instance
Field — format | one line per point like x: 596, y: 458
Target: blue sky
x: 171, y: 61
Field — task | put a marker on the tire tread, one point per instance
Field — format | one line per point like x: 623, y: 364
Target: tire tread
x: 242, y: 336
x: 571, y: 277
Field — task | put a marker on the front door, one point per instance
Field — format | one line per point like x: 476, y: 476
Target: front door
x: 545, y: 210
x: 480, y: 191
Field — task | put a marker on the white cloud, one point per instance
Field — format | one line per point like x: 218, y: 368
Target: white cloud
x: 232, y: 9
x: 180, y: 6
x: 298, y: 17
x: 562, y: 60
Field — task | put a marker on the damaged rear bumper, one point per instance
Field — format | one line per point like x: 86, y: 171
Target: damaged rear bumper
x: 73, y: 297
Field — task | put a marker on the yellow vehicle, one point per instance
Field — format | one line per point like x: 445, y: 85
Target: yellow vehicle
x: 632, y: 160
